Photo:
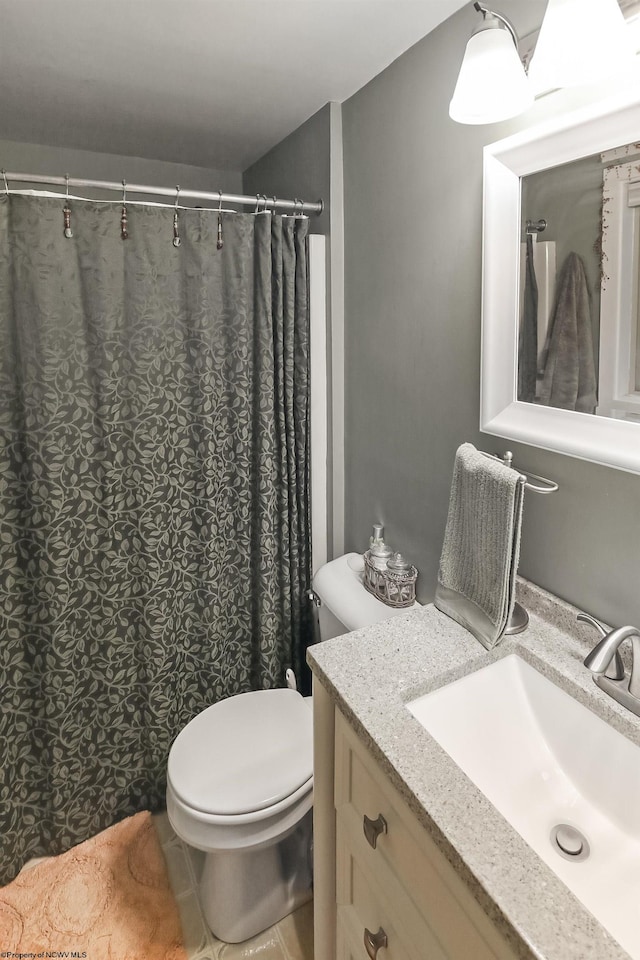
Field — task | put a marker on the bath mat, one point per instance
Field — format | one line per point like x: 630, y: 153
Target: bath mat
x: 106, y: 899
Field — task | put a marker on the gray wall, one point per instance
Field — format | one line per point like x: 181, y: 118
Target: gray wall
x: 85, y: 164
x: 298, y: 166
x: 413, y: 209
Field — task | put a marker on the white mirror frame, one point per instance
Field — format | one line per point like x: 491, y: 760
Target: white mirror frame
x: 602, y: 126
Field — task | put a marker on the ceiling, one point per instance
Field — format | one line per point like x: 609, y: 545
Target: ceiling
x: 213, y: 83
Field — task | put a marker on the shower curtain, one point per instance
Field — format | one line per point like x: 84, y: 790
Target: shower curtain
x: 154, y: 496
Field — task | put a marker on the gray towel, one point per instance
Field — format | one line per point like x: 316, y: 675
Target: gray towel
x: 476, y: 580
x: 569, y: 380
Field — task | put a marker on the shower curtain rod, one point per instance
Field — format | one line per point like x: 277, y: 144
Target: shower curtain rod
x: 261, y: 200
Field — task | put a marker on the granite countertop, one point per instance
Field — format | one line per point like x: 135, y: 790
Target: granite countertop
x: 372, y: 673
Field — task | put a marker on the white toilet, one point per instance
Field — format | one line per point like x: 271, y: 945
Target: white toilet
x: 240, y: 781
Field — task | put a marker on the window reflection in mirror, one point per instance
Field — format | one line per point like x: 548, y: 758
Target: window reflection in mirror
x: 579, y: 334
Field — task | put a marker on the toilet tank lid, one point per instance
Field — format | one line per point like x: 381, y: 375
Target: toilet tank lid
x: 340, y: 586
x: 244, y: 754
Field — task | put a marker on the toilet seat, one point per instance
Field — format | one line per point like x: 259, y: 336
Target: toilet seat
x: 303, y: 793
x: 245, y: 758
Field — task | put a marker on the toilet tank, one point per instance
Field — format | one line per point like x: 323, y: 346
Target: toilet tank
x: 345, y: 604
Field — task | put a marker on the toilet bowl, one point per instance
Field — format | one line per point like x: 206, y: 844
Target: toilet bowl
x: 240, y: 788
x: 240, y: 781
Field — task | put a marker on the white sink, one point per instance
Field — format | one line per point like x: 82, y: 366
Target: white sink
x: 544, y: 759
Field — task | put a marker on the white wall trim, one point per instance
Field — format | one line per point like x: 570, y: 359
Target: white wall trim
x: 336, y: 272
x: 318, y: 398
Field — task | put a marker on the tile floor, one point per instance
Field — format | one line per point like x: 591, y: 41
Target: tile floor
x: 290, y: 939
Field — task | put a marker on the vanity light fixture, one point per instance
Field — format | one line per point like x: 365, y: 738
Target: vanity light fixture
x: 580, y: 41
x: 492, y: 83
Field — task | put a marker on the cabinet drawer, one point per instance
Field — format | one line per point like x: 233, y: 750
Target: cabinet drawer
x: 404, y: 850
x: 350, y: 938
x: 365, y: 906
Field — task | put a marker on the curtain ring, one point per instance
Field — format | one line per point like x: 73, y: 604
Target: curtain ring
x: 257, y: 203
x: 66, y: 212
x: 219, y: 240
x: 176, y: 226
x: 124, y: 233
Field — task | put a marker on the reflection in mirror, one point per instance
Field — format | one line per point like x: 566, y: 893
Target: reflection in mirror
x: 620, y: 337
x: 578, y: 285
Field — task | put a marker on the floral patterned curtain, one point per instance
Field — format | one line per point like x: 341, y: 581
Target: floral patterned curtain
x: 154, y: 528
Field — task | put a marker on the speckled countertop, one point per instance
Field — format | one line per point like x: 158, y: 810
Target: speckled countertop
x: 372, y: 673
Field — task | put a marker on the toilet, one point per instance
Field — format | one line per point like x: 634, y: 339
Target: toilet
x: 240, y: 781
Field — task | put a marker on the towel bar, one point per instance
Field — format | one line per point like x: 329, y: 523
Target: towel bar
x: 548, y: 486
x: 519, y: 618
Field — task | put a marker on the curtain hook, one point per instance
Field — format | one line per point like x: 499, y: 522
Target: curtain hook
x: 124, y: 233
x: 66, y: 213
x: 219, y: 240
x: 275, y: 202
x: 257, y: 203
x: 6, y: 185
x: 297, y: 201
x: 176, y: 226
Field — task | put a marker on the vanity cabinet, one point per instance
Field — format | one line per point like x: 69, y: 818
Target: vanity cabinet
x: 382, y: 887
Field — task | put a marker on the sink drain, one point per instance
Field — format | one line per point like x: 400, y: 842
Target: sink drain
x: 569, y: 842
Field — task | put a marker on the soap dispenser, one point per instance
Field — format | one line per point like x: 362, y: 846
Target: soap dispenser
x: 379, y: 552
x: 378, y: 534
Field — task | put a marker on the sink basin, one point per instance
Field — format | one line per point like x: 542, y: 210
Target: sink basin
x: 544, y: 761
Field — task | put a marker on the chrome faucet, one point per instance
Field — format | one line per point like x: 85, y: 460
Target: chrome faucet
x: 606, y: 665
x: 613, y: 668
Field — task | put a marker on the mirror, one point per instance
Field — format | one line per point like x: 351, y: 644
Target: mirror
x: 560, y: 330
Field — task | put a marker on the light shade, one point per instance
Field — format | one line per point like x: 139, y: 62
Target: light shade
x: 580, y: 41
x: 492, y: 84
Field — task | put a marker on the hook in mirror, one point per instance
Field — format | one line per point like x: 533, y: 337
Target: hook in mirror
x: 124, y: 233
x: 261, y: 198
x: 176, y: 225
x: 66, y: 212
x: 219, y: 240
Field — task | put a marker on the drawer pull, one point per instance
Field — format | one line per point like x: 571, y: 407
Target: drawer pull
x: 373, y: 829
x: 373, y: 942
